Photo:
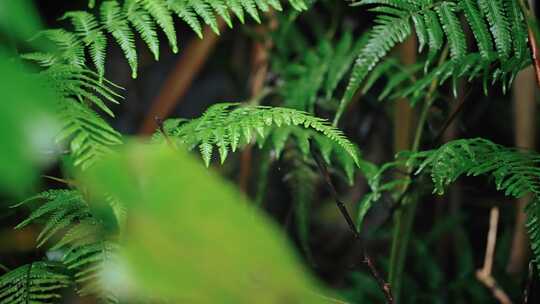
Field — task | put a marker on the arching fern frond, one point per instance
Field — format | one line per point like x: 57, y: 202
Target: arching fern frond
x: 88, y: 262
x: 70, y: 49
x: 37, y: 282
x: 229, y: 128
x: 88, y: 135
x: 379, y: 184
x: 495, y: 13
x: 77, y: 233
x: 62, y: 209
x: 478, y: 26
x: 515, y: 172
x: 87, y: 28
x: 302, y: 182
x: 119, y: 18
x: 318, y: 70
x: 437, y: 21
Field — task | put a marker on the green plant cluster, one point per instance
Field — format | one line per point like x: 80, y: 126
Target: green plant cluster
x: 157, y: 196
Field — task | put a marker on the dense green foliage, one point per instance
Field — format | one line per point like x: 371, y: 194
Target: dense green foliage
x: 146, y: 222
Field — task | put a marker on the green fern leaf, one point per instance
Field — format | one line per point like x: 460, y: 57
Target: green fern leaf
x: 42, y: 59
x: 236, y: 7
x: 229, y: 129
x: 494, y: 11
x: 421, y: 31
x: 518, y: 28
x: 37, y: 282
x: 87, y: 28
x: 435, y: 35
x: 478, y: 26
x: 514, y: 172
x: 143, y: 24
x: 221, y: 9
x: 70, y: 48
x: 389, y: 31
x: 161, y: 14
x: 115, y: 23
x: 186, y: 13
x: 251, y: 8
x: 205, y: 11
x: 88, y: 262
x: 452, y: 28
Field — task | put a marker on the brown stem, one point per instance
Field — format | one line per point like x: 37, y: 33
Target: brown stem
x: 524, y: 103
x: 259, y: 71
x: 181, y: 77
x: 484, y: 274
x: 383, y: 285
x: 159, y: 123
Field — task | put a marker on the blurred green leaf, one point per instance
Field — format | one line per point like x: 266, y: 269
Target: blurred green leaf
x: 190, y: 236
x: 19, y: 19
x: 26, y: 128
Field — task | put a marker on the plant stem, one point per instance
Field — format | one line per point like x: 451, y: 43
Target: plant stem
x: 404, y: 217
x: 368, y: 261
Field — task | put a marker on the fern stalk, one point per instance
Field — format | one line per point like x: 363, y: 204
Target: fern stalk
x: 404, y: 217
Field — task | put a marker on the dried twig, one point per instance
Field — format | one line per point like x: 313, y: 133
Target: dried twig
x: 484, y: 274
x: 384, y: 286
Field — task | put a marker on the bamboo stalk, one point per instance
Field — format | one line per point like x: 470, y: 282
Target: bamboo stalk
x: 525, y: 132
x: 179, y: 80
x: 404, y: 121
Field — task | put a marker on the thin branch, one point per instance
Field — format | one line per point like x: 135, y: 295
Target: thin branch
x: 159, y: 123
x: 383, y: 285
x: 4, y: 268
x: 484, y: 274
x: 530, y: 280
x: 69, y: 182
x: 451, y: 118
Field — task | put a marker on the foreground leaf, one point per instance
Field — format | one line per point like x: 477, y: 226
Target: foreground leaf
x: 223, y: 251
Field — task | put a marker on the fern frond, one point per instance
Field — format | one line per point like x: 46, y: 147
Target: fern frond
x: 205, y: 11
x: 62, y: 209
x: 229, y: 129
x: 437, y: 21
x: 70, y: 48
x: 87, y: 28
x: 389, y: 30
x: 304, y: 80
x: 65, y: 213
x: 478, y: 26
x: 494, y: 12
x: 143, y: 24
x: 222, y: 10
x: 186, y: 13
x: 89, y: 135
x: 518, y: 28
x: 421, y: 30
x: 143, y: 15
x: 377, y: 181
x: 302, y: 184
x: 161, y: 14
x: 515, y: 172
x: 116, y: 24
x: 37, y: 282
x: 435, y: 35
x: 251, y: 8
x: 88, y: 262
x: 345, y: 52
x: 452, y: 29
x: 318, y: 70
x: 42, y: 59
